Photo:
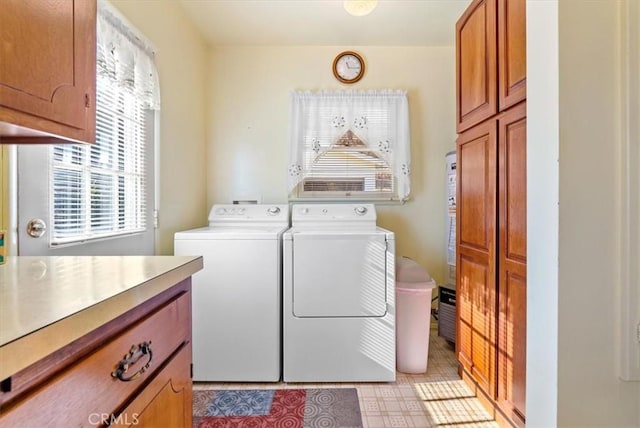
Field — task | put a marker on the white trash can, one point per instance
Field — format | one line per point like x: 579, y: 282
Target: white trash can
x: 414, y: 287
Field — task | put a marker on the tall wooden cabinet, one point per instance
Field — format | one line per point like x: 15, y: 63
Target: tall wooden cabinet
x: 47, y: 71
x: 491, y: 166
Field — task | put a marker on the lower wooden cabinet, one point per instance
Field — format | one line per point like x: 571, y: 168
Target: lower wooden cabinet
x: 133, y: 371
x: 491, y: 262
x: 166, y: 401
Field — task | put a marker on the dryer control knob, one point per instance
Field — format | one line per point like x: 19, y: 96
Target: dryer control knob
x: 273, y: 210
x: 361, y: 210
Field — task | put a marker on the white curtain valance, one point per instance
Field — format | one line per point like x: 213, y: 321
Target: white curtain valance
x: 379, y: 119
x: 126, y: 58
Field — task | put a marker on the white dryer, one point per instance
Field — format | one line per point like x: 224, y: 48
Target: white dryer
x: 237, y: 296
x: 338, y: 282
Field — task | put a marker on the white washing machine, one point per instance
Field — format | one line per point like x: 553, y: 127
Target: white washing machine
x: 237, y: 296
x: 338, y: 308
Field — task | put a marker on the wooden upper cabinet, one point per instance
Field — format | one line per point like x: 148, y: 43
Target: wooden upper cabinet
x: 47, y: 70
x: 512, y: 49
x: 476, y: 66
x: 490, y: 60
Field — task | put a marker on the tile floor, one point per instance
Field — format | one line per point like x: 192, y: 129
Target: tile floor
x: 437, y: 398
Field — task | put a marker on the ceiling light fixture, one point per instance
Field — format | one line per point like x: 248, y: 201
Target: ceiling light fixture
x: 360, y: 7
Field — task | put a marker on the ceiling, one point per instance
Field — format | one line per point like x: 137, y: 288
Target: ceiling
x: 325, y: 22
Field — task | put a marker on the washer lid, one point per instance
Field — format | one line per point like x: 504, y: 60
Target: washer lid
x: 232, y: 232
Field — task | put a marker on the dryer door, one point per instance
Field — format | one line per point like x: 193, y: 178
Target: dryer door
x: 339, y: 274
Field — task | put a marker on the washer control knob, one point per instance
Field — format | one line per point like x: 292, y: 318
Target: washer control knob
x: 241, y: 210
x: 361, y: 210
x: 273, y: 210
x: 221, y: 211
x: 304, y: 210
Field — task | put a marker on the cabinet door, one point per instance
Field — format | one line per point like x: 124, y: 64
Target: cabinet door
x: 166, y: 401
x: 476, y: 65
x: 47, y: 69
x: 476, y: 239
x: 512, y: 262
x: 512, y: 48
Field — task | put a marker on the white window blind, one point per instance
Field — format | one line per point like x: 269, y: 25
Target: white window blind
x: 98, y: 190
x: 349, y: 145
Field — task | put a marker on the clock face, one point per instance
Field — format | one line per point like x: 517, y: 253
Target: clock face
x: 348, y: 67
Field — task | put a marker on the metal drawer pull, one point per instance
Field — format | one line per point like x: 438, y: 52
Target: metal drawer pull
x: 135, y: 353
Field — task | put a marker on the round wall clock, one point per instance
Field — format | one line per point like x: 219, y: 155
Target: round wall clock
x: 348, y: 67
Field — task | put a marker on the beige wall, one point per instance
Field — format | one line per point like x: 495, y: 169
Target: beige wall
x: 182, y: 63
x: 248, y: 119
x: 591, y: 138
x: 575, y: 143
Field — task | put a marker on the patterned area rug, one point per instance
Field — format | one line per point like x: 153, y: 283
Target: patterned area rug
x: 279, y: 408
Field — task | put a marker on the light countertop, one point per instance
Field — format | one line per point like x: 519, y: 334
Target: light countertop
x: 48, y: 302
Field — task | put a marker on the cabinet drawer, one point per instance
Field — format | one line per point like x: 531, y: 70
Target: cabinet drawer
x: 86, y: 389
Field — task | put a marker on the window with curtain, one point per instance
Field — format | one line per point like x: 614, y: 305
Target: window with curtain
x: 98, y: 190
x: 349, y: 145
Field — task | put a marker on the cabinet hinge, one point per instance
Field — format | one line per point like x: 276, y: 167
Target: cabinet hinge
x: 87, y: 101
x: 191, y: 370
x: 156, y: 220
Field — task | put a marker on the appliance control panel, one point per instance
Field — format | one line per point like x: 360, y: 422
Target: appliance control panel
x: 249, y: 213
x: 334, y: 214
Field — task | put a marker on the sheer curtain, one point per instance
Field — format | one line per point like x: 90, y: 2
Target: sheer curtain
x: 125, y: 58
x: 374, y: 122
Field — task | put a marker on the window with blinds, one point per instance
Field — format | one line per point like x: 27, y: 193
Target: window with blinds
x: 98, y: 191
x: 349, y: 145
x: 348, y: 169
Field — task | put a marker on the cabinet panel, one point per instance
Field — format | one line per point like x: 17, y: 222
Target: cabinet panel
x: 512, y: 48
x: 476, y: 68
x: 47, y: 78
x: 513, y: 184
x: 512, y: 350
x: 476, y: 211
x: 476, y: 321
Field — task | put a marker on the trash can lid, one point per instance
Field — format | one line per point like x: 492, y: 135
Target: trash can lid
x: 411, y: 277
x: 407, y: 270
